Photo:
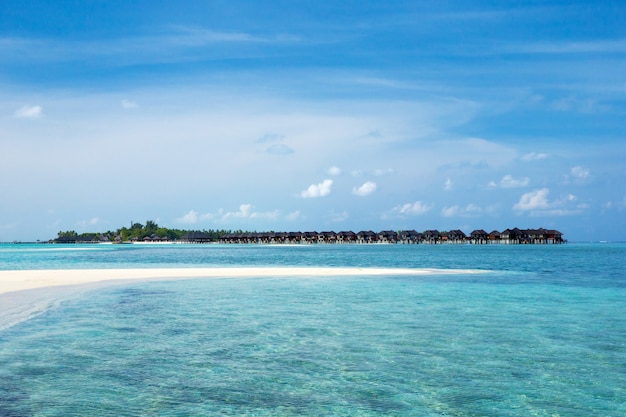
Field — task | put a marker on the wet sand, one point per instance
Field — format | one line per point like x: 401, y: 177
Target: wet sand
x: 11, y: 281
x: 27, y: 293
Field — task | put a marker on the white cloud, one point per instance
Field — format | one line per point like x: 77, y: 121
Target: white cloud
x: 334, y: 171
x: 450, y: 211
x: 579, y: 172
x: 127, y: 104
x: 448, y: 185
x: 245, y: 212
x: 380, y: 172
x: 366, y: 189
x: 190, y: 217
x: 265, y: 214
x: 294, y: 215
x: 470, y: 210
x: 414, y: 209
x: 536, y: 203
x: 534, y: 156
x: 29, y: 112
x: 318, y: 190
x: 533, y: 200
x: 509, y: 182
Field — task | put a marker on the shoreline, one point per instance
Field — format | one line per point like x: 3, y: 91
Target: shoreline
x: 22, y: 280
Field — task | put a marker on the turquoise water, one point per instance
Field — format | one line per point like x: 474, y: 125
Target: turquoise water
x: 543, y: 333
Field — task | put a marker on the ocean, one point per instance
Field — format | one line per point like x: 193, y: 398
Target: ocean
x: 540, y: 332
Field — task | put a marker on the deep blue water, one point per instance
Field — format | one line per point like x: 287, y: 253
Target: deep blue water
x: 543, y: 333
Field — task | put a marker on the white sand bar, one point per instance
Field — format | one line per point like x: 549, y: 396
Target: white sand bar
x: 11, y: 281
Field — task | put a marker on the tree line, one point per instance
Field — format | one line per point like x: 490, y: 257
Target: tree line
x: 139, y: 232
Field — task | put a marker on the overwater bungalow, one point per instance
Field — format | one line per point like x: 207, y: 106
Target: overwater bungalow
x: 346, y: 237
x: 387, y: 236
x: 196, y: 237
x: 495, y: 237
x: 365, y: 236
x: 457, y: 236
x: 479, y: 237
x: 409, y: 237
x: 432, y: 236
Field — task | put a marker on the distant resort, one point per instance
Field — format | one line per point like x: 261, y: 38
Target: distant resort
x: 152, y: 234
x: 477, y: 237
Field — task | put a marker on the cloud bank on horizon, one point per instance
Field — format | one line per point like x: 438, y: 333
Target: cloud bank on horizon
x: 313, y: 116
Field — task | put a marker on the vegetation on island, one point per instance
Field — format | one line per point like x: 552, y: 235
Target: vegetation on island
x: 138, y: 232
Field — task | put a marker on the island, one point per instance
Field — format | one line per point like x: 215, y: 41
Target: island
x: 153, y: 233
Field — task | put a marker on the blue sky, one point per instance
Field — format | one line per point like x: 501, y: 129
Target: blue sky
x: 313, y: 115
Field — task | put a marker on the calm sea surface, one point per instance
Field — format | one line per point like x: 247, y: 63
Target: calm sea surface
x: 542, y: 333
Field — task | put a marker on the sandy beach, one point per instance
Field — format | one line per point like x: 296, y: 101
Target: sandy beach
x: 11, y: 281
x: 27, y: 293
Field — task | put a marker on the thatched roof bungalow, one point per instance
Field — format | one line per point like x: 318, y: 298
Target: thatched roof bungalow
x: 457, y: 236
x: 431, y: 236
x: 196, y: 237
x: 479, y: 236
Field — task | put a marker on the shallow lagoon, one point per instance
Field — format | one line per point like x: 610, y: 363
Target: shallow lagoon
x: 543, y: 333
